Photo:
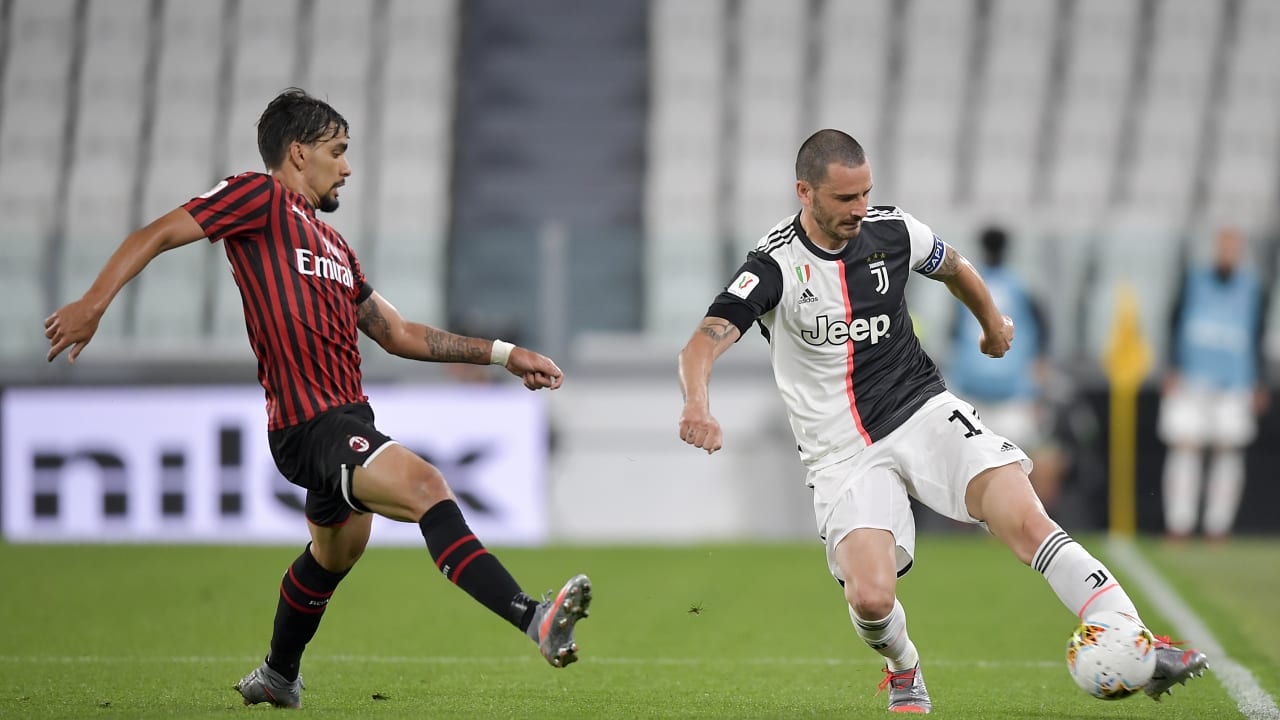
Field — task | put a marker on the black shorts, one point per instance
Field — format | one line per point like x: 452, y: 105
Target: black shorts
x: 321, y: 453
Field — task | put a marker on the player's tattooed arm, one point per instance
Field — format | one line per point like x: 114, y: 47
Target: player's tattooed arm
x: 372, y: 322
x: 953, y: 263
x: 380, y: 320
x: 964, y: 282
x: 721, y: 332
x: 712, y: 337
x: 443, y: 346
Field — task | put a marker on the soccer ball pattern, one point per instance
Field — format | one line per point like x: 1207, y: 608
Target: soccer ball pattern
x: 1111, y: 655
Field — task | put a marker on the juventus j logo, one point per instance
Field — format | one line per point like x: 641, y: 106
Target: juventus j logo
x: 882, y: 276
x: 1098, y: 577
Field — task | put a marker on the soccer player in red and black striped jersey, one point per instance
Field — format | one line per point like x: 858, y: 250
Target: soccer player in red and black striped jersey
x: 873, y: 421
x: 305, y: 297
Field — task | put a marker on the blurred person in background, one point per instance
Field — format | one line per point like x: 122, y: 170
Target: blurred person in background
x: 1213, y: 389
x: 1009, y: 392
x: 873, y: 422
x: 305, y: 297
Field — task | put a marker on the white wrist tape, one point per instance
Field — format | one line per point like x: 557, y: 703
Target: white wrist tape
x: 501, y: 353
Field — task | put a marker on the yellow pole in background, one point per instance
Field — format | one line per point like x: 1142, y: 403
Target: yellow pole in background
x: 1126, y: 361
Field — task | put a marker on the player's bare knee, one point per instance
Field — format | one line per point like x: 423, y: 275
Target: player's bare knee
x: 352, y: 556
x: 1020, y: 550
x: 337, y: 559
x: 424, y: 488
x: 338, y: 548
x: 1030, y: 533
x: 870, y: 602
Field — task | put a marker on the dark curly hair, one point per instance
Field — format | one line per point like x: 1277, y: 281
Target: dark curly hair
x: 295, y: 116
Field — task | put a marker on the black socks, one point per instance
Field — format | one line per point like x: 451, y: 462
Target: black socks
x: 466, y: 563
x: 304, y: 595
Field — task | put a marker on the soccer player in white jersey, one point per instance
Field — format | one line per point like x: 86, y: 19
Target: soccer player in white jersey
x: 873, y: 421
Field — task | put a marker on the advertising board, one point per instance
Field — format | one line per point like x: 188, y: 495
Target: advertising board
x: 191, y: 463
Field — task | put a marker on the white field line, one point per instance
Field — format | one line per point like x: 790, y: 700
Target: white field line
x: 508, y: 659
x: 1253, y: 701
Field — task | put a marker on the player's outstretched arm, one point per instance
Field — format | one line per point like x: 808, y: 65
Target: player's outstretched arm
x: 380, y: 320
x: 73, y: 325
x: 963, y: 280
x: 697, y: 426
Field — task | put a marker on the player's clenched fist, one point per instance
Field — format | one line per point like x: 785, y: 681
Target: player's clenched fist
x: 537, y: 371
x: 997, y: 342
x: 701, y: 430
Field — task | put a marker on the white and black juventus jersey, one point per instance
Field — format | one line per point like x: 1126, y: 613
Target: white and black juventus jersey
x: 844, y: 353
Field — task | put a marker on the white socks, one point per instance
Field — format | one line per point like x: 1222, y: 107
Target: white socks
x: 888, y: 637
x: 1182, y: 485
x: 1181, y: 490
x: 1081, y: 582
x: 1222, y: 496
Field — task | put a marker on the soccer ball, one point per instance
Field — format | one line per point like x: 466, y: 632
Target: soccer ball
x: 1111, y: 655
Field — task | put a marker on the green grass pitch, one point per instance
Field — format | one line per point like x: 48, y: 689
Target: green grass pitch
x: 719, y: 631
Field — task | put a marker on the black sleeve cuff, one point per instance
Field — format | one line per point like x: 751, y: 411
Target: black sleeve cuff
x: 737, y: 313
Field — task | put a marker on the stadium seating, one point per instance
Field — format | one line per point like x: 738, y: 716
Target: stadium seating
x: 683, y: 175
x: 959, y: 105
x: 216, y: 62
x: 1242, y: 178
x: 921, y: 169
x: 169, y: 296
x: 767, y: 110
x: 852, y: 91
x: 106, y: 150
x: 1177, y: 95
x: 1007, y: 129
x: 409, y: 214
x: 1121, y: 125
x: 30, y: 152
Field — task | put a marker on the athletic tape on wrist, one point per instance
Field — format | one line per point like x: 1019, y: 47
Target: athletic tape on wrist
x: 501, y: 353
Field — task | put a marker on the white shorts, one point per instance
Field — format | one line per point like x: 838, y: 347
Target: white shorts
x: 931, y: 457
x: 1200, y: 416
x: 1018, y: 420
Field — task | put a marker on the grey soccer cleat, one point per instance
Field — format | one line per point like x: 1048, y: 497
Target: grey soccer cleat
x: 1173, y: 666
x: 907, y: 693
x: 267, y: 685
x: 554, y: 618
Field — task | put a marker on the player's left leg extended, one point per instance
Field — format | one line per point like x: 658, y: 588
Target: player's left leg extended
x: 1003, y: 498
x: 403, y: 486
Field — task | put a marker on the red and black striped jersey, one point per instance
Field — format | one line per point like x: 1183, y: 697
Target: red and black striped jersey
x: 300, y: 284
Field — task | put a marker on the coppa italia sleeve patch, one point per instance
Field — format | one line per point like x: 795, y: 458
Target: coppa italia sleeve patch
x: 744, y: 284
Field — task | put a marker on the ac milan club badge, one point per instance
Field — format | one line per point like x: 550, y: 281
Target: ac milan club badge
x: 358, y: 443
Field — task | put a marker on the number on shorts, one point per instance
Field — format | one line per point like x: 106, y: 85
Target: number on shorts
x: 971, y: 430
